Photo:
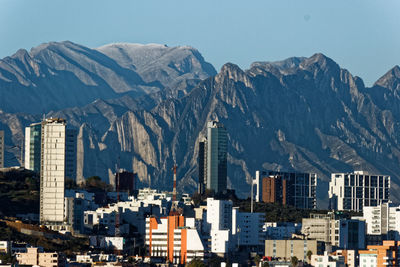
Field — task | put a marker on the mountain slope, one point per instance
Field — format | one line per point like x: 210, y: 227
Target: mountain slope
x: 54, y: 76
x: 305, y: 115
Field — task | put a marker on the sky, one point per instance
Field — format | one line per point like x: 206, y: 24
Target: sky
x: 362, y: 36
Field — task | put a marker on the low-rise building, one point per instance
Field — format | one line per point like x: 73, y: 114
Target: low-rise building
x: 350, y: 257
x: 247, y: 229
x: 387, y: 254
x: 316, y: 228
x: 383, y: 220
x: 286, y: 249
x: 327, y: 260
x: 368, y: 258
x: 281, y: 230
x: 34, y: 256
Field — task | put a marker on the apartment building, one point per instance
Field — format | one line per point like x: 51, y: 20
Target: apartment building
x: 383, y: 219
x: 287, y: 188
x: 353, y: 191
x: 387, y: 254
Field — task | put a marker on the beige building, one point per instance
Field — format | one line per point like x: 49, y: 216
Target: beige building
x: 44, y: 259
x: 285, y: 249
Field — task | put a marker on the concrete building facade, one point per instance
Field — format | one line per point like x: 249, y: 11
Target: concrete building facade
x: 316, y: 228
x: 286, y: 249
x: 353, y: 191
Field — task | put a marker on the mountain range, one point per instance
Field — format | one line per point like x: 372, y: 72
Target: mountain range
x: 145, y: 107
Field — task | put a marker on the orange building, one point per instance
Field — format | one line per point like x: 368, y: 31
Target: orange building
x: 274, y: 190
x: 174, y: 238
x: 386, y: 254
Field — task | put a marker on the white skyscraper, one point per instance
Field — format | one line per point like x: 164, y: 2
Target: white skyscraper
x: 52, y: 172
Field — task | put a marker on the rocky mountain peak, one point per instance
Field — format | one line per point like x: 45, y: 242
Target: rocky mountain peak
x: 231, y: 71
x: 320, y: 62
x: 21, y: 54
x: 289, y: 63
x: 391, y: 79
x: 58, y: 75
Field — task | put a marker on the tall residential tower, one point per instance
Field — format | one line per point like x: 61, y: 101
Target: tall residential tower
x: 52, y: 171
x: 33, y: 148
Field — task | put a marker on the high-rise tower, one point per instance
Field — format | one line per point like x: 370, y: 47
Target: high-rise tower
x: 33, y: 148
x: 202, y: 163
x: 52, y: 171
x: 216, y: 156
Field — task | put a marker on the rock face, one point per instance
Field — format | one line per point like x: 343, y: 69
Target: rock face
x: 54, y: 76
x: 303, y: 114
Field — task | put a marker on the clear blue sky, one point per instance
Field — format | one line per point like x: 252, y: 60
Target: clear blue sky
x: 363, y: 36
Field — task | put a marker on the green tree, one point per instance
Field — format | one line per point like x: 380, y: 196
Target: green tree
x: 294, y: 260
x: 215, y: 261
x: 6, y: 258
x: 94, y: 183
x: 309, y: 253
x: 70, y: 183
x: 196, y: 263
x: 257, y: 259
